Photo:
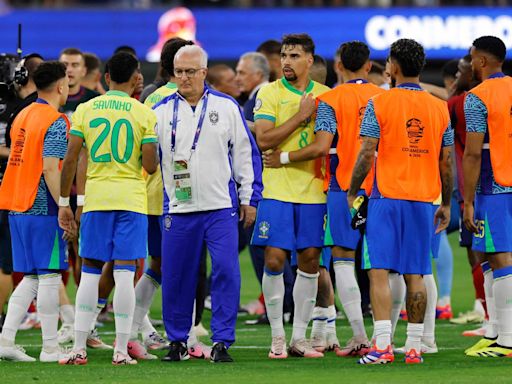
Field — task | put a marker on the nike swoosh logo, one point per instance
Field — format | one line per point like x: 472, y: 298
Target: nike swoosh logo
x: 285, y: 101
x: 233, y: 214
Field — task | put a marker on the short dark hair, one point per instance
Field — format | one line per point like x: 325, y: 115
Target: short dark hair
x: 121, y: 67
x: 269, y: 47
x: 410, y: 56
x: 92, y: 62
x: 492, y: 45
x: 319, y: 60
x: 377, y: 68
x: 32, y: 64
x: 302, y: 39
x: 169, y: 50
x: 48, y: 73
x: 71, y: 51
x: 126, y: 48
x: 450, y: 68
x: 215, y: 73
x: 354, y: 54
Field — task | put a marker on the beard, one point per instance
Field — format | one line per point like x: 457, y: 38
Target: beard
x: 290, y: 77
x: 392, y: 83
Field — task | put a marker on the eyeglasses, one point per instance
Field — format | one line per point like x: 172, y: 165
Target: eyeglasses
x: 190, y: 72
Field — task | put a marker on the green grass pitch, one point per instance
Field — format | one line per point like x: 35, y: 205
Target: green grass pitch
x: 251, y: 365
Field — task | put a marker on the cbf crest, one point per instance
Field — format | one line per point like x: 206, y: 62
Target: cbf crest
x: 167, y: 222
x: 264, y: 227
x: 214, y: 117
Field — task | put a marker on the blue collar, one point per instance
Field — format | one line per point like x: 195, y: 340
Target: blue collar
x: 357, y: 81
x: 496, y: 75
x: 41, y: 101
x: 409, y: 85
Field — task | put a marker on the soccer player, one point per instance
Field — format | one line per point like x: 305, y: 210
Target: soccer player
x: 30, y: 190
x: 340, y: 112
x: 118, y: 132
x: 291, y: 214
x: 487, y: 166
x: 413, y: 167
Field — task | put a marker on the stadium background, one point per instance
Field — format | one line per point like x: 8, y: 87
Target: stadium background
x: 226, y: 33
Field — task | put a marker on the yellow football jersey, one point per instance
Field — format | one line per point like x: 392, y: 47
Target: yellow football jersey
x: 114, y: 126
x: 154, y: 184
x: 300, y: 182
x: 160, y: 94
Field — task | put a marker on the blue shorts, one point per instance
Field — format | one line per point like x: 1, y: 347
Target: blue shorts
x: 155, y: 225
x: 113, y: 235
x: 399, y: 236
x: 37, y: 244
x: 289, y: 226
x: 325, y: 258
x: 338, y: 231
x: 493, y: 218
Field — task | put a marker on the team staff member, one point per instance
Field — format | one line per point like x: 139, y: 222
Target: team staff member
x: 291, y: 214
x: 413, y: 166
x: 341, y: 111
x: 118, y: 133
x: 487, y: 163
x: 206, y: 153
x: 30, y: 190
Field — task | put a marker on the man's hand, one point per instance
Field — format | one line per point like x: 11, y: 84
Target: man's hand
x: 350, y: 200
x: 272, y: 159
x: 78, y: 215
x: 307, y: 106
x: 469, y: 217
x: 247, y: 215
x: 69, y: 236
x: 442, y: 218
x: 67, y: 220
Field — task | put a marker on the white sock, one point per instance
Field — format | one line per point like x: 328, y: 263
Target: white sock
x: 85, y: 305
x: 478, y: 307
x: 491, y: 331
x: 273, y: 292
x: 18, y: 305
x: 382, y: 332
x: 192, y: 337
x: 414, y: 333
x: 67, y: 314
x: 350, y: 296
x: 331, y: 320
x: 144, y: 293
x: 99, y: 307
x: 319, y: 322
x: 146, y: 328
x: 304, y: 297
x: 430, y: 311
x: 398, y: 289
x: 48, y: 308
x: 444, y: 301
x: 503, y: 301
x: 124, y: 305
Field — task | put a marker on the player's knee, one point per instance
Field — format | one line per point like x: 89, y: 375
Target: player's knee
x: 274, y: 264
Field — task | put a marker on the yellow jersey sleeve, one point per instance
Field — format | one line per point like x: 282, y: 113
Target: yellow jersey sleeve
x: 266, y: 103
x: 149, y: 131
x: 77, y: 128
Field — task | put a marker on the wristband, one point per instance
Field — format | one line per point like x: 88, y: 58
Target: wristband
x: 284, y: 157
x: 63, y: 201
x: 80, y: 200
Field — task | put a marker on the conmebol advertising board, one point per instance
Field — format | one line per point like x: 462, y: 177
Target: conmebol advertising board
x: 227, y: 33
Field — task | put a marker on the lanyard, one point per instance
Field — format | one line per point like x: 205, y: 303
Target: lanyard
x: 199, y: 124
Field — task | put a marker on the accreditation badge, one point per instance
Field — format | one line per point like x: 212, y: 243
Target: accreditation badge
x: 182, y: 181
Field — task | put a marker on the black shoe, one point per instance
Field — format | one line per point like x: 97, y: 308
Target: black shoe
x: 220, y: 354
x: 177, y: 352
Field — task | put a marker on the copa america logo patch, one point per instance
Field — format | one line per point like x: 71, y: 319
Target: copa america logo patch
x: 264, y: 227
x: 167, y: 222
x: 214, y: 117
x: 258, y: 104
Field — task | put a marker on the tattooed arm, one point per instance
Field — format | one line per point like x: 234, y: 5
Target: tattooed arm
x: 363, y: 165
